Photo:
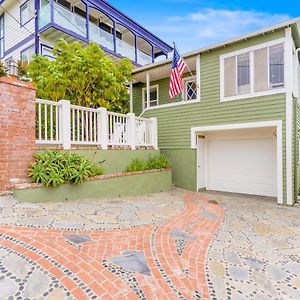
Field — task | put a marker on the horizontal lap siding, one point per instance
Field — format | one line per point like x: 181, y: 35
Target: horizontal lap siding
x: 174, y: 123
x: 14, y: 33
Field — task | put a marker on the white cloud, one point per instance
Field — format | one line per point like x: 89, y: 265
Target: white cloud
x: 212, y: 25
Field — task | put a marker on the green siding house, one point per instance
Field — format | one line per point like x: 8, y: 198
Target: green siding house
x: 235, y: 128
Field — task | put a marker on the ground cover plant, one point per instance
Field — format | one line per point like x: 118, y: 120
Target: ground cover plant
x: 153, y: 162
x: 53, y: 168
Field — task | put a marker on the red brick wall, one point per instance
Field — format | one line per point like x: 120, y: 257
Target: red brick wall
x: 17, y: 129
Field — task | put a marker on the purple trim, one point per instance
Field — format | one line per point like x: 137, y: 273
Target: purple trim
x: 47, y: 26
x: 130, y: 24
x: 3, y: 38
x: 20, y: 44
x: 69, y: 32
x: 135, y: 48
x: 115, y: 36
x: 87, y: 21
x: 153, y: 57
x: 25, y: 50
x: 36, y: 26
x: 51, y: 11
x: 21, y: 23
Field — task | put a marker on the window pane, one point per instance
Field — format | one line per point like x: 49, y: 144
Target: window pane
x: 243, y: 73
x: 153, y: 97
x: 261, y: 70
x: 229, y: 77
x: 27, y: 11
x: 190, y: 90
x: 276, y: 66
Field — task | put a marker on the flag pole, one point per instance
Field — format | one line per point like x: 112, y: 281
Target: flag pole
x: 188, y: 68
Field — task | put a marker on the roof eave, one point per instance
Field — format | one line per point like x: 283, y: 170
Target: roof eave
x: 221, y: 44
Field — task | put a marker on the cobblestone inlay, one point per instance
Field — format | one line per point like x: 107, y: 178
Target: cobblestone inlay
x: 255, y: 253
x: 100, y: 266
x: 127, y: 276
x: 132, y: 260
x: 26, y: 280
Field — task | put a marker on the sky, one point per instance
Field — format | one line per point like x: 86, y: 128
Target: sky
x: 192, y: 24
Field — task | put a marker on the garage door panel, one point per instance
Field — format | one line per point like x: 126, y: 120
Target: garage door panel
x: 242, y: 166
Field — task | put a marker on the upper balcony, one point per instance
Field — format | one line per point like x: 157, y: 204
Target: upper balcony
x: 99, y: 22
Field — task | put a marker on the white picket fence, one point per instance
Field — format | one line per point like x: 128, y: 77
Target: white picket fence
x: 60, y: 123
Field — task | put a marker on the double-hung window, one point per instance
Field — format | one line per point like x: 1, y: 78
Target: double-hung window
x: 252, y: 72
x: 26, y: 12
x: 190, y: 89
x: 26, y: 55
x: 154, y: 96
x: 1, y: 35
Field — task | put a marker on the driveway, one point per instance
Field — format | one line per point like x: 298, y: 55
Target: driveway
x: 176, y: 245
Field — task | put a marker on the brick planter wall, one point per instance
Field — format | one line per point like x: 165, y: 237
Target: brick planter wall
x: 17, y: 130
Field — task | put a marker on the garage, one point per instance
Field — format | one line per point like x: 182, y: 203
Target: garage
x: 242, y: 160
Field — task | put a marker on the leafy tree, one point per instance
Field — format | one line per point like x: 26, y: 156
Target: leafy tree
x: 84, y: 75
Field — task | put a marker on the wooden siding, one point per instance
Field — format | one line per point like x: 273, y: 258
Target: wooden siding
x: 13, y: 32
x: 174, y: 123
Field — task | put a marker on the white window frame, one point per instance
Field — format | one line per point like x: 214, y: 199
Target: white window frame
x: 251, y: 51
x: 144, y: 96
x: 186, y: 80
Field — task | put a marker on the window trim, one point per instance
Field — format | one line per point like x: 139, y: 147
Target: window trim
x: 21, y: 6
x: 144, y: 98
x: 251, y: 51
x: 185, y: 81
x: 44, y: 46
x: 3, y: 38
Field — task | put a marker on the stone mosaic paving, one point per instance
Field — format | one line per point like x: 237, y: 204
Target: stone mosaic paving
x: 169, y: 246
x: 115, y: 213
x: 256, y: 252
x: 110, y: 249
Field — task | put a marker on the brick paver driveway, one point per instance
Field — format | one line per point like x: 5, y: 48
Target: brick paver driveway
x: 174, y: 245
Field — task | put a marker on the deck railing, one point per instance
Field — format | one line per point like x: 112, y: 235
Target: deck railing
x: 60, y: 123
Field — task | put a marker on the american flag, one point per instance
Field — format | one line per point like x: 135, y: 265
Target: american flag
x: 178, y: 69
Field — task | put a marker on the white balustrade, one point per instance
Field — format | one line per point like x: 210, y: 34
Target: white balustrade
x: 48, y: 123
x: 60, y: 123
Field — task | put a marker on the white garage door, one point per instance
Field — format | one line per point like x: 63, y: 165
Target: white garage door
x: 242, y: 166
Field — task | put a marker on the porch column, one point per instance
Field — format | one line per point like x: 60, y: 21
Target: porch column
x: 198, y: 76
x: 131, y: 96
x: 115, y: 36
x: 148, y: 89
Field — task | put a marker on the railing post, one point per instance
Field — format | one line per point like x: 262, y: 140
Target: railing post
x: 102, y: 121
x: 65, y: 124
x: 154, y: 133
x: 132, y: 131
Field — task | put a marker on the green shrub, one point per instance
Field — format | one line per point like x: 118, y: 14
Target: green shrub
x: 157, y: 162
x: 153, y: 162
x: 136, y: 165
x: 54, y: 168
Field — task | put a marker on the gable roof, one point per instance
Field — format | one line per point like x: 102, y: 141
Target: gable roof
x: 190, y: 54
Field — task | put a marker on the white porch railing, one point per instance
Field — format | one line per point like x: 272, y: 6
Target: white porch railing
x: 60, y: 123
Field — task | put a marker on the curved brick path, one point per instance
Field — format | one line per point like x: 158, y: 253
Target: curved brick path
x: 164, y: 260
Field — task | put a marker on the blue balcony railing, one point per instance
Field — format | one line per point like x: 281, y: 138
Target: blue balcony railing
x: 101, y: 37
x: 78, y: 25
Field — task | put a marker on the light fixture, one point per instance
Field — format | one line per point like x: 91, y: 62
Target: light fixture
x: 13, y: 69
